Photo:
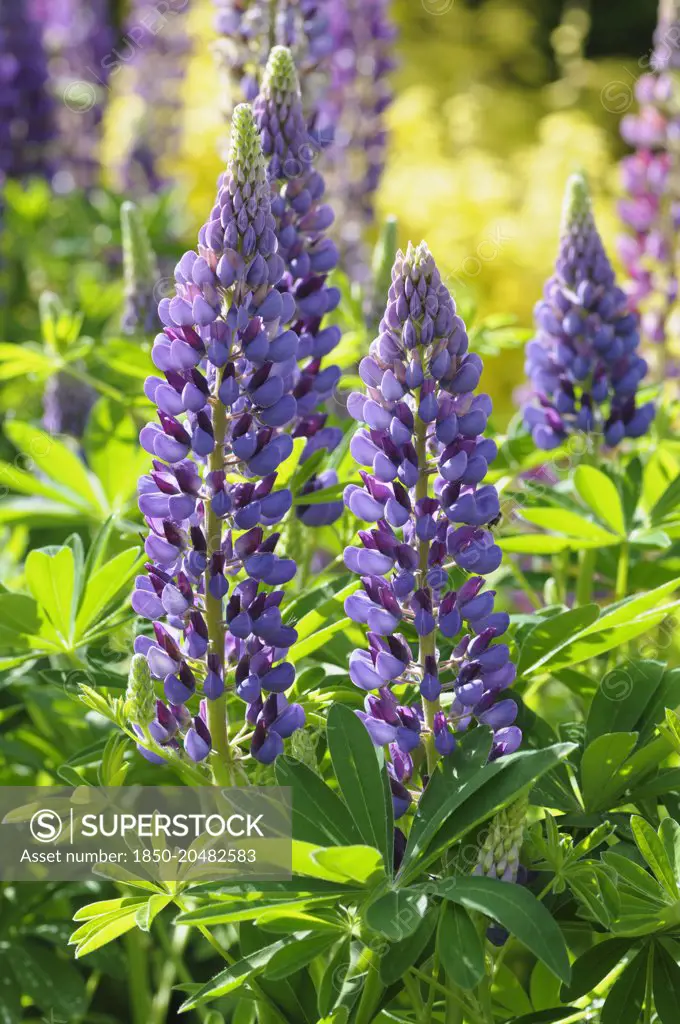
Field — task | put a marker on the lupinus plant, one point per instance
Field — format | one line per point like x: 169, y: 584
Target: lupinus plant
x: 343, y: 50
x: 584, y: 364
x: 26, y: 111
x: 302, y: 219
x: 78, y: 37
x: 229, y: 365
x: 140, y: 271
x: 158, y: 46
x: 651, y: 209
x: 423, y: 443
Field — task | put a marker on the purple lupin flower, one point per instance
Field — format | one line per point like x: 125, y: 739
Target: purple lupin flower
x: 228, y: 366
x: 583, y: 362
x: 423, y: 422
x: 651, y: 207
x: 246, y: 29
x: 302, y: 219
x: 78, y: 36
x: 353, y: 110
x: 154, y: 55
x: 26, y: 110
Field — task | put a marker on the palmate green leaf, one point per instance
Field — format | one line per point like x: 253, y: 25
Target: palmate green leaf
x: 477, y: 797
x: 667, y: 503
x: 406, y: 953
x: 616, y: 625
x: 359, y: 775
x: 550, y: 634
x: 592, y: 884
x: 294, y: 957
x: 232, y: 911
x: 359, y: 864
x: 593, y: 966
x: 460, y: 947
x: 666, y: 985
x: 104, y: 585
x: 397, y: 913
x: 50, y: 981
x: 113, y: 451
x: 319, y: 815
x: 51, y: 578
x: 622, y: 697
x: 653, y: 850
x: 104, y: 928
x: 632, y: 878
x: 22, y: 360
x: 303, y: 648
x: 623, y: 1005
x: 516, y: 909
x: 669, y: 833
x: 561, y: 520
x: 19, y: 619
x: 601, y: 496
x: 237, y: 974
x: 600, y: 766
x: 56, y: 460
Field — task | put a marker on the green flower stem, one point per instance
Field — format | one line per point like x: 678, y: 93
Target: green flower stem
x: 470, y: 1016
x: 622, y: 571
x: 435, y: 977
x: 584, y: 581
x: 372, y: 990
x: 649, y: 981
x: 173, y: 967
x: 220, y: 758
x: 524, y: 583
x: 138, y: 975
x: 427, y: 644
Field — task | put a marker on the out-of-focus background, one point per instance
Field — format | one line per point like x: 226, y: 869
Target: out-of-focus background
x: 496, y: 102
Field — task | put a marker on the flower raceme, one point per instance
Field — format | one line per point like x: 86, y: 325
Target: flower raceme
x: 421, y: 422
x: 584, y: 363
x: 229, y: 364
x: 651, y: 208
x: 302, y: 219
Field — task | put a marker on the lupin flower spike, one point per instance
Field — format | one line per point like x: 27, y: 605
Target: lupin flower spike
x: 499, y: 854
x: 584, y: 363
x: 140, y: 270
x: 154, y: 77
x: 422, y: 421
x: 302, y: 219
x: 26, y: 111
x: 224, y: 400
x: 651, y: 207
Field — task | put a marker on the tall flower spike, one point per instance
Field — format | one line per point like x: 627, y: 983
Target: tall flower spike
x: 423, y: 422
x: 78, y: 37
x: 651, y: 207
x: 583, y: 362
x: 344, y: 53
x: 140, y: 270
x: 26, y: 111
x: 228, y: 364
x: 302, y: 219
x: 157, y: 46
x: 499, y: 855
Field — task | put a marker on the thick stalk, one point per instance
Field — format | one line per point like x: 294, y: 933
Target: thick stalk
x: 584, y: 582
x: 138, y: 975
x: 427, y: 644
x: 622, y: 572
x: 372, y: 990
x: 217, y: 709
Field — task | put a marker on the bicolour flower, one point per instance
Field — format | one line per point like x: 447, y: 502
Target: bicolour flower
x: 227, y: 364
x: 424, y: 459
x: 583, y: 363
